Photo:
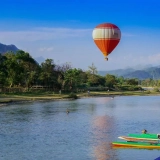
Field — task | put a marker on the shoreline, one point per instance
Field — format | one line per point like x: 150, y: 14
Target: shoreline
x: 15, y: 99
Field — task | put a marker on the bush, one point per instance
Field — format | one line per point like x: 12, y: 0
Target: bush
x: 148, y: 92
x: 72, y: 95
x: 156, y: 90
x: 127, y: 88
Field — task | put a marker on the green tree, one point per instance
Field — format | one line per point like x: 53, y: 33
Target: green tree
x: 132, y: 81
x: 59, y: 73
x: 47, y: 75
x: 101, y: 80
x: 120, y: 80
x: 110, y: 80
x: 12, y: 68
x: 3, y: 71
x: 72, y: 78
x: 28, y: 66
x: 92, y: 75
x: 83, y: 79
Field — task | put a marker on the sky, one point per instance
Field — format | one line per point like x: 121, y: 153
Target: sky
x: 62, y: 30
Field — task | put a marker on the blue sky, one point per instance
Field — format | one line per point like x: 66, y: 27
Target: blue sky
x: 62, y: 30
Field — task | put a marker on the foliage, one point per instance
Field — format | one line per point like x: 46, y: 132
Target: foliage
x: 92, y: 77
x: 47, y: 76
x: 120, y: 80
x: 150, y: 82
x: 19, y: 72
x: 132, y: 81
x: 72, y: 78
x: 127, y: 88
x: 20, y: 69
x: 110, y: 80
x: 3, y: 70
x: 72, y: 95
x: 156, y: 90
x: 148, y: 92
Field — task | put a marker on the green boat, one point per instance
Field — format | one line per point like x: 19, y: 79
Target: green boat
x: 145, y: 135
x: 136, y: 145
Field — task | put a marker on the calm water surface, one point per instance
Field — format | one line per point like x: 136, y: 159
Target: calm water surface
x: 44, y: 131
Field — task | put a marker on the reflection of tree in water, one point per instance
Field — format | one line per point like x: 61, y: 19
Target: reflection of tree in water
x: 19, y: 114
x: 20, y: 111
x: 103, y: 127
x: 55, y: 109
x: 15, y: 120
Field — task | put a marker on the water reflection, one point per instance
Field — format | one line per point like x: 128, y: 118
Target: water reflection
x: 102, y: 129
x: 19, y: 111
x: 103, y: 100
x: 19, y: 114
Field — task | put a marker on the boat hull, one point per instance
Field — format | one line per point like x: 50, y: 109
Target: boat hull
x: 136, y: 145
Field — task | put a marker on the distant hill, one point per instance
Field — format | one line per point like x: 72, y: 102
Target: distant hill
x: 140, y: 74
x: 6, y: 48
x: 118, y: 72
x: 151, y: 72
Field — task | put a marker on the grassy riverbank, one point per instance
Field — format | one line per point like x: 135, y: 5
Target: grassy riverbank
x: 23, y: 97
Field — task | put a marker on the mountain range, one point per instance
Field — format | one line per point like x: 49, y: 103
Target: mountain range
x: 145, y: 73
x: 6, y: 48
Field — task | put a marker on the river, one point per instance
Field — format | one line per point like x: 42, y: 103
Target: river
x: 45, y: 131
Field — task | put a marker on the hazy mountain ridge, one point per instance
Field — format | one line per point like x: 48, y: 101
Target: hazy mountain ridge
x: 140, y: 74
x: 6, y: 48
x: 118, y: 72
x: 152, y: 72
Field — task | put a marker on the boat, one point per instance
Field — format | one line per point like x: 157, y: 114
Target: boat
x: 139, y: 139
x: 144, y: 145
x: 145, y: 135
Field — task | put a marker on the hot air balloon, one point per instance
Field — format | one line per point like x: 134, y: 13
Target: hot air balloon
x: 106, y: 36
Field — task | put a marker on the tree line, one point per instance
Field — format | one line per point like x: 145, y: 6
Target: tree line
x: 21, y: 70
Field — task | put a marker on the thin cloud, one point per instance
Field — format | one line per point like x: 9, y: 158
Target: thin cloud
x: 46, y: 33
x: 154, y: 58
x: 151, y: 59
x: 37, y: 34
x: 46, y: 49
x: 143, y: 59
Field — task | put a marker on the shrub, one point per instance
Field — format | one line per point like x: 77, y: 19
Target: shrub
x: 127, y: 88
x: 156, y: 90
x: 72, y: 95
x: 148, y: 92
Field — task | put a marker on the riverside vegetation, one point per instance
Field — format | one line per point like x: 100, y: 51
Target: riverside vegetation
x: 23, y: 79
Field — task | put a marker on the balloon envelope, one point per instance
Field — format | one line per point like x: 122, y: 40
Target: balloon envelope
x: 106, y: 36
